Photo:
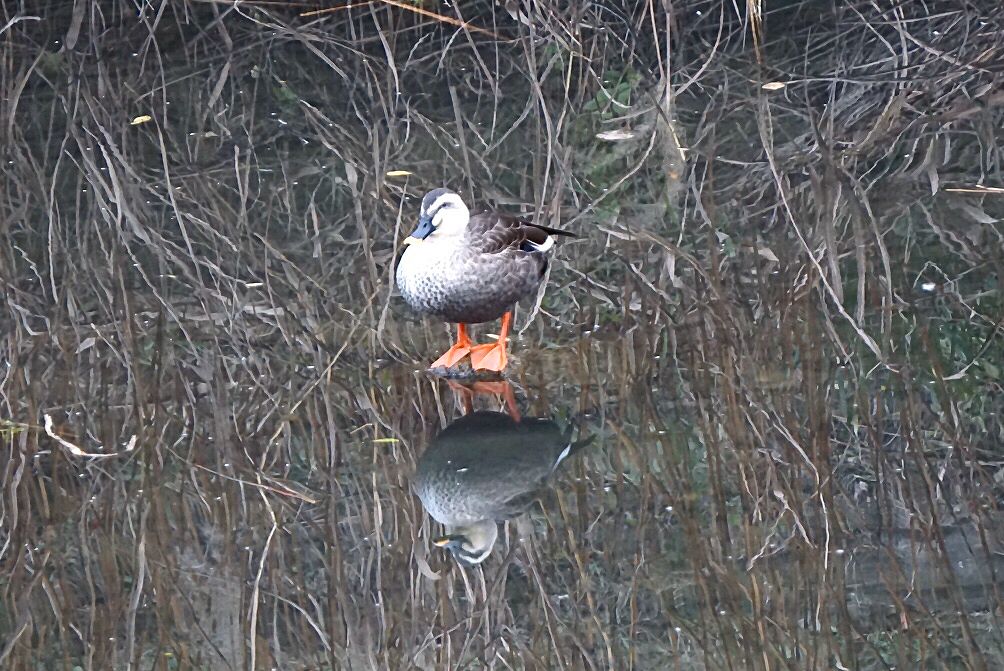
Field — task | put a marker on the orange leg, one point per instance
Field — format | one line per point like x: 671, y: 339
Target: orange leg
x: 492, y: 356
x: 455, y: 354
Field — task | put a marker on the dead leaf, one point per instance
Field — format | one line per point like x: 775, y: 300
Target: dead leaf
x: 77, y: 20
x: 86, y: 344
x: 977, y: 213
x: 144, y: 118
x: 615, y: 135
x: 976, y: 189
x: 766, y: 253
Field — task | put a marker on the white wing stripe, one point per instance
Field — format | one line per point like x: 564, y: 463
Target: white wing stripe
x: 543, y: 247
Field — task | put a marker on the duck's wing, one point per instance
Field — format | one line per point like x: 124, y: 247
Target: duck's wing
x: 491, y: 233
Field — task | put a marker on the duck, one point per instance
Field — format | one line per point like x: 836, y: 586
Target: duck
x: 483, y: 469
x: 470, y: 270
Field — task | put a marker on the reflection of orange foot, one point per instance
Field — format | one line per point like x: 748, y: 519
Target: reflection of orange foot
x: 504, y: 389
x: 466, y: 392
x: 499, y: 387
x: 493, y: 357
x: 455, y: 354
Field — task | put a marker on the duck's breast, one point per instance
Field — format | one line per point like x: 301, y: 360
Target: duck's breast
x: 467, y: 287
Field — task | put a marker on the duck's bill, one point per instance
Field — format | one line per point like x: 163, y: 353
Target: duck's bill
x: 444, y: 541
x: 410, y: 240
x: 422, y: 231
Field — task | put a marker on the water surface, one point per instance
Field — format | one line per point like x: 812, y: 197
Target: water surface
x: 780, y: 327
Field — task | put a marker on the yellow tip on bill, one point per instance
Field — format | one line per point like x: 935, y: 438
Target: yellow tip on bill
x: 411, y: 240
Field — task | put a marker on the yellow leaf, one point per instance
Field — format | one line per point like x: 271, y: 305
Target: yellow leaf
x: 773, y: 86
x: 141, y: 119
x: 398, y: 173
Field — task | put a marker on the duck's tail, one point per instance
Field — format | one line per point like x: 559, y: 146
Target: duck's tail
x: 540, y: 238
x: 572, y: 447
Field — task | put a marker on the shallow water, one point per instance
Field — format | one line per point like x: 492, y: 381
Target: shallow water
x: 776, y: 340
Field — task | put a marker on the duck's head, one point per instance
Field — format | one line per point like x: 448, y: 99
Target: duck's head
x: 472, y: 544
x: 443, y: 214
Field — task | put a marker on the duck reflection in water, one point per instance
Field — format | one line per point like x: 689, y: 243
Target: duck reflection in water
x: 485, y: 468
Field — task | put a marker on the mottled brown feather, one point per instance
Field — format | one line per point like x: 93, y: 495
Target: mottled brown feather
x: 493, y: 233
